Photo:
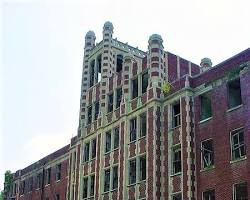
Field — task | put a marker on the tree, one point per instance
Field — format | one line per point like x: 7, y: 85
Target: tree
x: 1, y: 195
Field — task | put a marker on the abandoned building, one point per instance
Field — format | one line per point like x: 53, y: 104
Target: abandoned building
x: 152, y: 125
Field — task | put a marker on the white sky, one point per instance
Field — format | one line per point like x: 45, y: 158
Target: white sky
x: 42, y: 48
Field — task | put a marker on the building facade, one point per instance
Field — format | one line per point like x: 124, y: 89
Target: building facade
x: 152, y: 125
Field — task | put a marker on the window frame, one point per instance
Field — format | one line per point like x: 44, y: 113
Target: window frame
x: 177, y: 116
x: 203, y: 100
x: 176, y: 148
x: 232, y: 133
x: 133, y: 95
x: 202, y: 160
x: 58, y: 172
x: 228, y: 93
x: 208, y: 190
x: 118, y: 100
x: 133, y: 130
x: 237, y: 184
x: 110, y: 103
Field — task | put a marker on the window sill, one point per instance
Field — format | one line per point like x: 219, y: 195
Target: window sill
x: 131, y: 184
x: 58, y: 181
x: 238, y: 160
x: 176, y: 127
x: 176, y: 174
x: 47, y: 185
x: 207, y: 168
x: 205, y: 120
x: 234, y: 108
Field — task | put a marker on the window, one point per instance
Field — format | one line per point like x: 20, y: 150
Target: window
x: 142, y: 160
x: 143, y: 125
x: 240, y: 191
x: 108, y: 142
x: 134, y: 88
x: 93, y: 146
x: 116, y: 137
x: 85, y: 187
x: 22, y: 187
x: 207, y: 153
x: 57, y: 197
x: 97, y: 106
x: 144, y: 82
x: 58, y: 172
x: 132, y: 129
x: 119, y: 61
x: 48, y: 176
x: 206, y: 109
x: 176, y: 160
x: 92, y: 72
x: 115, y: 178
x: 92, y: 185
x: 110, y: 102
x: 132, y: 171
x: 39, y: 181
x: 177, y: 196
x: 176, y: 115
x: 234, y: 93
x: 99, y: 67
x: 238, y: 144
x: 118, y: 97
x: 86, y: 152
x: 208, y: 195
x: 30, y: 184
x: 89, y: 114
x: 106, y: 180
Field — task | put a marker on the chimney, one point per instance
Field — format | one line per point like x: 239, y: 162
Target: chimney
x: 205, y: 64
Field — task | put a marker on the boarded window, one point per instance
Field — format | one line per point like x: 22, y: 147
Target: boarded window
x: 176, y: 115
x: 240, y: 191
x: 234, y: 93
x: 209, y: 195
x: 133, y: 129
x: 238, y: 144
x: 134, y: 88
x: 207, y: 153
x: 206, y: 108
x: 144, y: 82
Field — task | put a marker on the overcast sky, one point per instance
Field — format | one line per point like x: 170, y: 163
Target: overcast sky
x: 42, y: 49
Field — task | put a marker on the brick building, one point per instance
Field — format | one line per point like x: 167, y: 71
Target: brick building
x: 153, y: 125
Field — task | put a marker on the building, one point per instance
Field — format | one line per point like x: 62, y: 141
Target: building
x: 153, y: 125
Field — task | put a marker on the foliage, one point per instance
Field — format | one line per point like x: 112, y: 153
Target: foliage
x: 166, y: 87
x: 1, y: 195
x: 8, y: 179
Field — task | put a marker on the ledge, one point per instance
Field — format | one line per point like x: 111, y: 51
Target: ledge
x: 205, y: 120
x: 176, y: 174
x: 238, y: 160
x: 207, y: 168
x: 234, y: 108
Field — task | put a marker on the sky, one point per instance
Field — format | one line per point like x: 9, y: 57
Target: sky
x: 41, y: 52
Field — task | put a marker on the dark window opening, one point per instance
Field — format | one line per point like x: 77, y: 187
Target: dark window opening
x: 58, y: 172
x: 99, y: 67
x: 132, y: 129
x: 93, y: 153
x: 207, y: 153
x: 116, y: 137
x: 177, y: 196
x: 144, y: 82
x: 132, y: 171
x: 206, y: 108
x: 118, y: 97
x: 134, y: 88
x: 119, y: 61
x: 176, y: 160
x: 115, y: 178
x: 30, y: 184
x: 39, y: 181
x: 89, y: 114
x: 92, y: 185
x: 110, y: 102
x: 240, y: 191
x: 209, y: 195
x: 143, y: 125
x: 92, y: 73
x: 57, y: 197
x: 85, y: 187
x: 176, y: 115
x: 234, y: 93
x: 86, y: 152
x: 143, y: 168
x: 97, y: 107
x: 238, y: 144
x: 48, y: 172
x: 108, y: 142
x: 106, y: 180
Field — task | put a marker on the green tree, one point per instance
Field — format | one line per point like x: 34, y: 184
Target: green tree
x: 1, y: 195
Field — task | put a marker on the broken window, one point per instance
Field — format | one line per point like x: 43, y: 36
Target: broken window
x: 85, y: 187
x: 234, y: 93
x: 177, y: 196
x: 143, y: 125
x: 240, y: 191
x: 116, y: 137
x: 92, y: 185
x: 99, y: 67
x: 110, y: 102
x: 238, y: 144
x: 108, y: 142
x: 135, y: 88
x: 132, y: 129
x: 176, y: 115
x: 89, y: 114
x: 92, y: 73
x: 206, y: 108
x: 115, y: 178
x: 119, y: 61
x: 118, y: 97
x: 132, y: 171
x: 93, y: 146
x: 106, y: 180
x: 207, y: 153
x: 144, y: 82
x: 143, y: 164
x: 209, y: 195
x: 97, y: 106
x: 176, y: 160
x: 58, y: 172
x: 48, y: 176
x: 86, y: 152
